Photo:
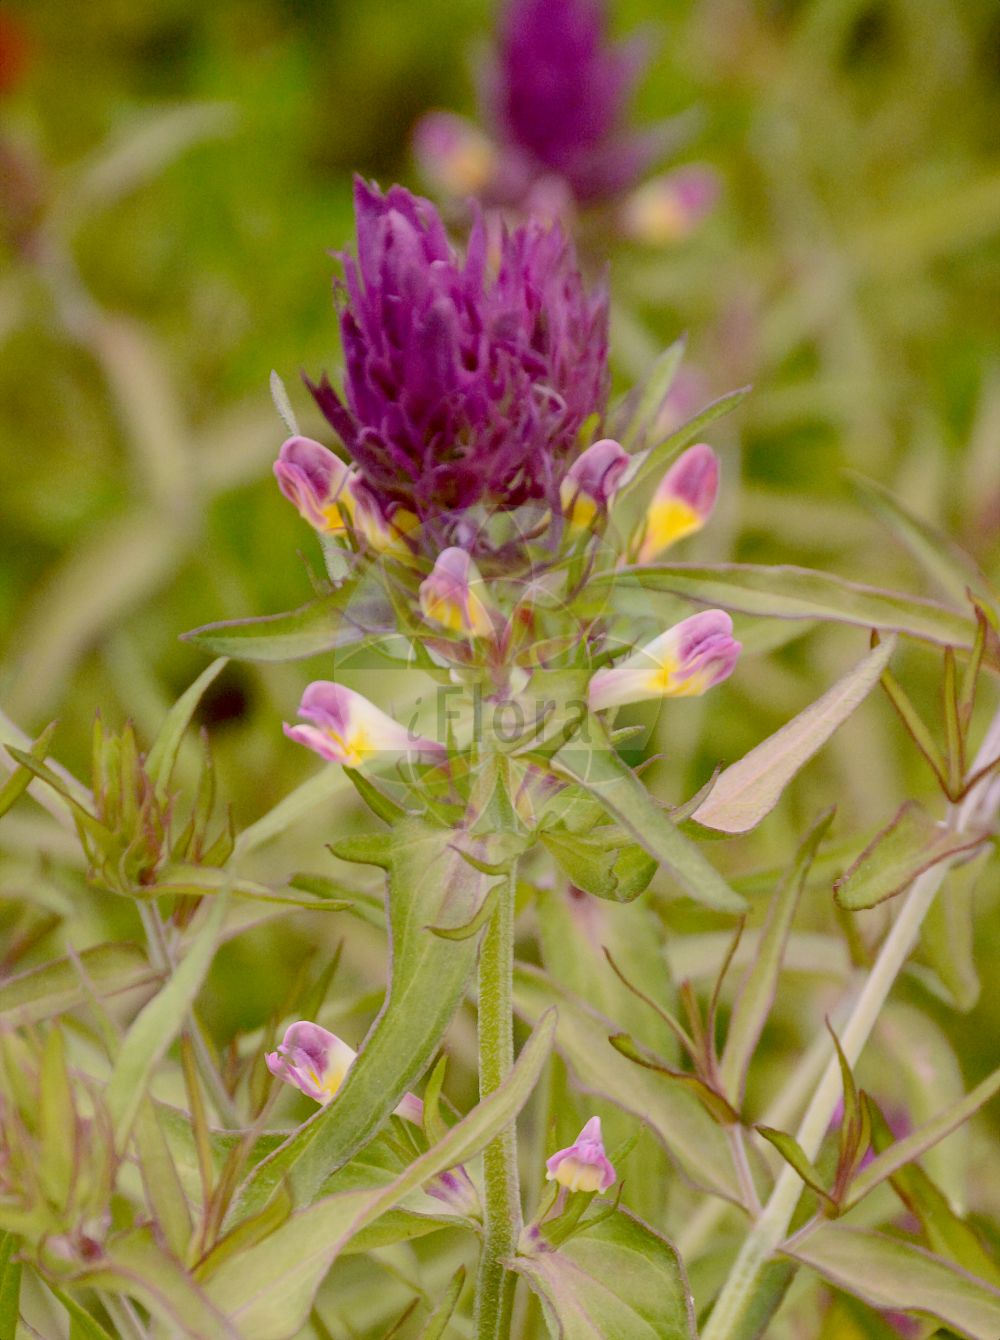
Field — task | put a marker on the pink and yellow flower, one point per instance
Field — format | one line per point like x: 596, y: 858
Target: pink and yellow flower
x: 317, y: 1061
x: 683, y: 502
x: 316, y: 482
x: 683, y: 662
x: 590, y: 483
x: 452, y: 596
x: 583, y: 1165
x: 348, y: 729
x: 669, y: 207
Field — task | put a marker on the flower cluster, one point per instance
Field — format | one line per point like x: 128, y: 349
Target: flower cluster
x: 556, y: 100
x: 469, y: 398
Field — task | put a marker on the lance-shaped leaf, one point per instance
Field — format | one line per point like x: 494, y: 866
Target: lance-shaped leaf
x: 888, y: 1272
x: 786, y: 592
x: 20, y: 779
x: 136, y: 1265
x: 268, y: 1290
x: 437, y: 1323
x: 916, y: 1144
x: 615, y: 1277
x: 757, y: 990
x: 659, y: 457
x: 904, y: 849
x: 43, y: 992
x: 955, y: 571
x: 163, y: 753
x: 156, y: 1026
x: 793, y: 1153
x: 748, y: 790
x: 654, y: 390
x: 947, y: 934
x: 429, y: 884
x: 10, y: 1284
x: 338, y: 619
x: 675, y: 1116
x: 948, y: 1234
x: 605, y: 775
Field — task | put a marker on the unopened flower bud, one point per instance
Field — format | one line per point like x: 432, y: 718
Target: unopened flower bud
x: 683, y: 662
x: 452, y: 595
x: 683, y: 502
x: 668, y: 208
x: 583, y: 1165
x: 348, y: 729
x: 453, y: 155
x: 590, y: 483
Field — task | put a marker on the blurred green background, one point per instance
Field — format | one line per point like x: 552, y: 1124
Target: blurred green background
x: 172, y: 178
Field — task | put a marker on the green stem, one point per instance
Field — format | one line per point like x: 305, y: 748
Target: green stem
x: 734, y: 1303
x: 502, y: 1219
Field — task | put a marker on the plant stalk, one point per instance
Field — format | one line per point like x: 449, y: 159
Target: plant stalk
x: 502, y: 1218
x: 737, y: 1295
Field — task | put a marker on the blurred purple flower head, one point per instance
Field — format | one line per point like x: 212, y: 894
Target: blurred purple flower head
x: 559, y: 94
x: 461, y: 386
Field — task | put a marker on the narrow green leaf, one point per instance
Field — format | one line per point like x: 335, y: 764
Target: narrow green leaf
x: 53, y: 988
x: 955, y: 571
x: 605, y: 776
x: 757, y: 990
x: 912, y: 843
x: 615, y: 1277
x: 947, y: 934
x: 82, y: 1326
x: 949, y: 1235
x: 163, y: 753
x: 81, y: 814
x: 889, y: 1272
x: 659, y: 456
x: 135, y: 1264
x: 323, y: 624
x: 916, y: 1144
x: 10, y: 1285
x: 268, y: 1290
x: 713, y: 1102
x: 654, y: 391
x: 201, y: 881
x: 428, y: 880
x: 381, y: 805
x: 918, y: 730
x: 678, y: 1120
x: 364, y: 849
x: 162, y: 1181
x: 476, y: 923
x: 282, y: 403
x: 20, y: 779
x: 247, y: 1233
x: 156, y: 1026
x: 793, y: 1153
x: 437, y: 1323
x: 786, y: 592
x: 749, y: 789
x: 618, y: 872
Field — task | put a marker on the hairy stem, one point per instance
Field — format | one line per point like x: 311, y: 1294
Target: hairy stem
x: 738, y: 1293
x: 495, y: 1293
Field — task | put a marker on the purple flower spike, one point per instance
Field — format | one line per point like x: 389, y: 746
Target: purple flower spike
x: 559, y: 97
x: 460, y: 390
x: 583, y: 1165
